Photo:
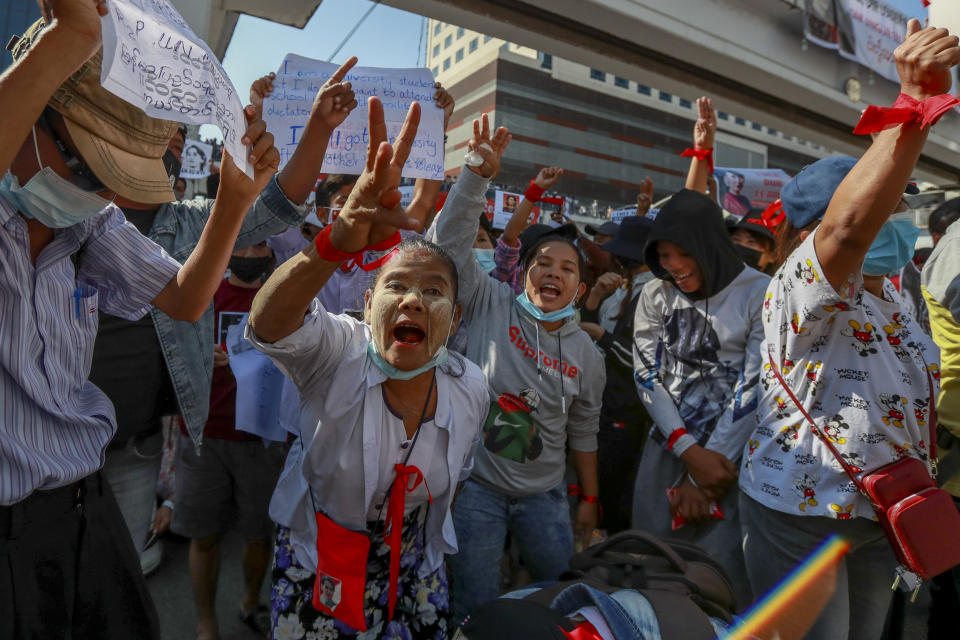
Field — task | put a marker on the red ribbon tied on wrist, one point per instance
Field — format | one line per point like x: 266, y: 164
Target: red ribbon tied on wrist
x: 700, y: 154
x: 533, y: 192
x: 408, y: 479
x: 905, y: 109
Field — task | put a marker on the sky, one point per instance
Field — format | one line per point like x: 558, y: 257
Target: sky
x: 387, y: 38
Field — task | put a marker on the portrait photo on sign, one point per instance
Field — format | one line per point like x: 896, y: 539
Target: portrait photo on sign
x: 329, y: 591
x: 195, y: 161
x: 510, y: 202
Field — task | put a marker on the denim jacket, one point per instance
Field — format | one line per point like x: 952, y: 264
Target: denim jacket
x: 188, y: 346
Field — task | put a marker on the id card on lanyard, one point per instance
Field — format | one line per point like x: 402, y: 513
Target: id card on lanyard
x: 342, y: 553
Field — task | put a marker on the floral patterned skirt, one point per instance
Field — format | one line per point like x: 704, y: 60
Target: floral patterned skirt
x: 422, y: 603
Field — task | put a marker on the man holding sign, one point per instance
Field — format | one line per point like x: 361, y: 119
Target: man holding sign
x: 69, y: 148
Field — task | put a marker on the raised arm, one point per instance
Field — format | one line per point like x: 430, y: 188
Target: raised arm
x: 334, y: 102
x: 72, y: 35
x: 872, y: 189
x: 520, y: 220
x: 188, y: 295
x: 372, y: 214
x: 704, y: 132
x: 456, y: 226
x: 425, y: 192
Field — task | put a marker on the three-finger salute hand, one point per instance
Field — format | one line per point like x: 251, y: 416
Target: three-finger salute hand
x: 336, y: 99
x: 924, y: 60
x: 490, y: 149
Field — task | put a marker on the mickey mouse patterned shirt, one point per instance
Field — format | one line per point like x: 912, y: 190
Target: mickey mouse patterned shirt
x: 859, y: 366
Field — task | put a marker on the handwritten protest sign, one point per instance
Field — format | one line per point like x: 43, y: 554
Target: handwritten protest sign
x: 299, y: 79
x: 259, y: 386
x: 153, y: 60
x: 196, y: 160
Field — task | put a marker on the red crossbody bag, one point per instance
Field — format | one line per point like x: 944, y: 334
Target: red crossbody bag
x: 919, y: 519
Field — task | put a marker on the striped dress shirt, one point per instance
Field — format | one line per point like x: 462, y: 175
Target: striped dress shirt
x: 54, y: 423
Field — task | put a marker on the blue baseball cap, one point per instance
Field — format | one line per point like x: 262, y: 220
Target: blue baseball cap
x: 806, y: 197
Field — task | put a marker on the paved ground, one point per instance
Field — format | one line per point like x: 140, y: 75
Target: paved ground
x: 170, y: 588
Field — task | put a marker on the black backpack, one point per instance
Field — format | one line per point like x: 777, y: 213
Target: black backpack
x: 683, y: 584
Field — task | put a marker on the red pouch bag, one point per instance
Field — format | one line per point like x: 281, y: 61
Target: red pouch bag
x: 341, y: 572
x: 926, y: 525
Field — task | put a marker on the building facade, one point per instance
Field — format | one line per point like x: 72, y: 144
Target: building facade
x: 607, y: 132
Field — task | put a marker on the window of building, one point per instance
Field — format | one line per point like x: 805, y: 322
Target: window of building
x: 447, y: 42
x: 473, y: 45
x: 740, y: 121
x: 686, y: 104
x: 459, y: 55
x: 644, y: 89
x: 487, y: 39
x: 436, y: 71
x: 446, y: 64
x: 596, y: 74
x: 771, y: 131
x: 460, y: 33
x: 666, y: 97
x: 436, y: 28
x: 436, y: 51
x: 621, y: 82
x: 756, y: 126
x: 723, y: 115
x: 546, y: 60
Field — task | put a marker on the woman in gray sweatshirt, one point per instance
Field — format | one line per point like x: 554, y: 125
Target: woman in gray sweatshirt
x: 546, y: 381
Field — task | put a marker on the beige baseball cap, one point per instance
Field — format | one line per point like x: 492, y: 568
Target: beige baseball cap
x: 121, y: 144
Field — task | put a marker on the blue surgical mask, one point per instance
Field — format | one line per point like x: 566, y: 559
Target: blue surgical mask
x: 49, y: 199
x: 399, y: 374
x: 485, y: 258
x: 893, y: 247
x: 545, y: 316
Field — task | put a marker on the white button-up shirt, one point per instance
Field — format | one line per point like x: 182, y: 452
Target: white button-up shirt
x: 342, y: 416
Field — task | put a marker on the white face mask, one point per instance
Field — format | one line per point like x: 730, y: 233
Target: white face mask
x: 50, y: 199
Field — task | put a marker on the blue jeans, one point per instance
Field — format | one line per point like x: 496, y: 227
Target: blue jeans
x: 540, y: 525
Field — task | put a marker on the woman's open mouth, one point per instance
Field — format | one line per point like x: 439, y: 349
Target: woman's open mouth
x: 408, y: 334
x: 549, y: 292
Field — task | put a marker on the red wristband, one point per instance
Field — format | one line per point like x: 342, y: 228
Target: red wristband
x: 700, y: 154
x: 676, y: 435
x: 590, y: 499
x: 906, y: 109
x: 533, y: 192
x: 329, y: 252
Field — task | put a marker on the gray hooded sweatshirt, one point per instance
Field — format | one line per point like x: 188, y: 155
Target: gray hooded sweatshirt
x: 545, y: 386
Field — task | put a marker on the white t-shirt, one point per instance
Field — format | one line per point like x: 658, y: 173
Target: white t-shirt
x: 426, y: 456
x: 859, y: 365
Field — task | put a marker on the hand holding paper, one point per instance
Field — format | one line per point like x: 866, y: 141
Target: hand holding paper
x: 77, y: 21
x: 263, y: 157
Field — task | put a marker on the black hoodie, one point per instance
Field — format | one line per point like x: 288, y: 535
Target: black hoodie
x: 695, y: 222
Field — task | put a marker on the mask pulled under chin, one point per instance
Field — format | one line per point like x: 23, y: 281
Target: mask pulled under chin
x: 545, y: 316
x: 51, y: 200
x: 893, y: 246
x: 393, y: 373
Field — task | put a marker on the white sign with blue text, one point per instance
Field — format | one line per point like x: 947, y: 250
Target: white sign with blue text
x: 299, y: 79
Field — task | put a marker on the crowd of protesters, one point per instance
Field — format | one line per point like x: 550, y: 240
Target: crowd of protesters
x: 463, y: 408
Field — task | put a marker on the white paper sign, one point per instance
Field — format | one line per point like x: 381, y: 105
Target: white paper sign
x: 299, y: 79
x: 153, y: 60
x: 617, y: 215
x: 195, y: 160
x: 945, y: 14
x: 259, y: 387
x: 406, y: 199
